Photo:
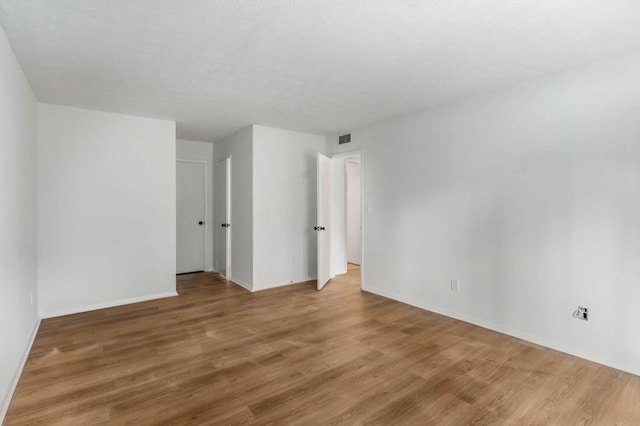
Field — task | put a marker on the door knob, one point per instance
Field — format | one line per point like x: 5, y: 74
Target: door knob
x: 201, y: 223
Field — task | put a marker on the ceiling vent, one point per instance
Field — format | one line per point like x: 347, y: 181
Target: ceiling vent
x: 344, y: 139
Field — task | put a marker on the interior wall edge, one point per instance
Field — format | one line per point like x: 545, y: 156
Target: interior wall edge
x: 241, y: 283
x: 547, y: 343
x: 276, y: 285
x: 112, y: 304
x: 16, y: 378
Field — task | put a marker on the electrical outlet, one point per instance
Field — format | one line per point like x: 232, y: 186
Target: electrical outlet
x: 581, y: 313
x: 455, y: 285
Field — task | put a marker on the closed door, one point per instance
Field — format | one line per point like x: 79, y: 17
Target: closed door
x: 322, y: 227
x: 190, y: 228
x: 223, y: 216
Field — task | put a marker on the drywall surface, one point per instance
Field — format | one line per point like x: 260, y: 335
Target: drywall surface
x: 354, y: 212
x: 106, y: 209
x: 284, y: 202
x: 240, y: 147
x: 203, y: 151
x: 333, y: 147
x: 18, y: 220
x: 338, y: 215
x: 530, y: 196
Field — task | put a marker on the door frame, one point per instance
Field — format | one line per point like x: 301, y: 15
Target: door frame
x: 362, y: 206
x: 229, y: 231
x: 205, y: 201
x: 347, y: 204
x: 323, y: 222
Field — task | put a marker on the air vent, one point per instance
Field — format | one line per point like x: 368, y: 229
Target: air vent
x: 344, y: 139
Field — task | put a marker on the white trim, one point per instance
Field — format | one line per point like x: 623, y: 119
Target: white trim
x: 16, y: 378
x: 347, y: 153
x: 362, y: 221
x: 207, y: 202
x: 229, y: 231
x: 512, y: 332
x: 362, y: 210
x: 216, y: 219
x: 269, y: 286
x: 341, y: 272
x: 241, y: 284
x: 121, y: 302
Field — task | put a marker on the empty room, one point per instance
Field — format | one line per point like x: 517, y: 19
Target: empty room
x: 320, y: 212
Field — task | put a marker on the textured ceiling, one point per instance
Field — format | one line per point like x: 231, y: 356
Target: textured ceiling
x: 320, y: 66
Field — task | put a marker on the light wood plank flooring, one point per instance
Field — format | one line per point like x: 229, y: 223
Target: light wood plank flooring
x: 218, y: 354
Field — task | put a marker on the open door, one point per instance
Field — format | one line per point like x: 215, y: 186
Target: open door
x: 324, y: 214
x: 223, y: 205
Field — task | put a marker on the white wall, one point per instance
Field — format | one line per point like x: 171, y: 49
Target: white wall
x: 334, y: 148
x: 284, y: 182
x: 354, y: 212
x: 18, y: 221
x: 203, y: 151
x: 106, y: 209
x: 338, y: 227
x: 530, y: 196
x: 273, y: 197
x: 240, y: 146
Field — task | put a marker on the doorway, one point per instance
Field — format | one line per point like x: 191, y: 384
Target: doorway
x: 353, y: 204
x: 339, y: 224
x: 190, y: 216
x: 223, y: 216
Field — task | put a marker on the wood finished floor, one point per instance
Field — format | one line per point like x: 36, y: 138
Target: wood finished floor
x: 218, y: 354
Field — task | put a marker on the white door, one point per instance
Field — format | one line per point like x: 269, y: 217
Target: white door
x: 223, y: 216
x: 322, y: 224
x: 190, y: 212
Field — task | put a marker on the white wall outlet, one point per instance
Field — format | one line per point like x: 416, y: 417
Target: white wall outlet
x: 581, y: 313
x: 455, y: 285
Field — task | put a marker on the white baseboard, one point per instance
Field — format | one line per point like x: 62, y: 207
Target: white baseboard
x: 241, y: 284
x: 268, y: 286
x: 14, y: 383
x: 79, y: 309
x: 341, y: 272
x: 511, y: 332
